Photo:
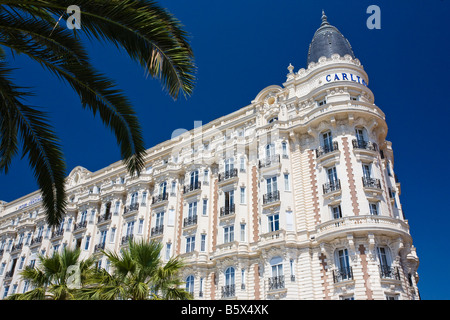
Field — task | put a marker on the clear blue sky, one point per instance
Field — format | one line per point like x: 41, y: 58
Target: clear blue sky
x: 243, y: 46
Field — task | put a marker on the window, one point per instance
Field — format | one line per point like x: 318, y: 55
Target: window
x: 228, y: 234
x: 366, y: 171
x: 243, y: 232
x: 103, y: 237
x: 388, y: 168
x: 91, y: 218
x: 284, y: 149
x: 373, y: 207
x: 168, y: 250
x: 144, y: 198
x: 130, y: 227
x: 229, y: 277
x: 229, y: 200
x: 205, y: 207
x: 192, y: 209
x: 163, y: 188
x: 327, y: 141
x: 190, y: 284
x: 190, y: 244
x: 22, y: 261
x: 242, y: 165
x: 205, y: 176
x: 242, y: 195
x: 173, y: 189
x: 343, y: 264
x: 336, y: 212
x: 141, y: 226
x: 134, y: 198
x: 274, y: 224
x: 229, y: 164
x: 271, y: 184
x: 159, y: 219
x: 276, y: 265
x: 116, y: 209
x: 272, y: 119
x: 83, y: 216
x: 360, y: 135
x: 2, y: 268
x: 112, y: 235
x: 332, y: 175
x: 321, y: 102
x: 270, y: 150
x: 286, y: 182
x: 194, y: 179
x: 203, y: 243
x: 86, y: 245
x: 384, y: 256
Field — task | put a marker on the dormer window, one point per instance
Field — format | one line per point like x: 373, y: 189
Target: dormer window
x: 321, y: 102
x: 272, y: 119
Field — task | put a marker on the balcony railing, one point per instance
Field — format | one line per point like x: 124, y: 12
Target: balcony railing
x: 271, y: 197
x: 131, y: 207
x: 80, y: 225
x: 17, y: 247
x: 227, y: 210
x: 98, y: 247
x: 36, y: 241
x: 228, y: 291
x: 126, y: 238
x: 228, y: 174
x: 157, y: 230
x: 342, y: 274
x: 362, y: 144
x: 371, y: 183
x: 331, y: 186
x: 326, y: 149
x: 190, y: 221
x: 276, y: 283
x: 104, y: 217
x: 161, y: 197
x: 191, y: 187
x: 57, y: 233
x: 388, y: 272
x: 269, y: 161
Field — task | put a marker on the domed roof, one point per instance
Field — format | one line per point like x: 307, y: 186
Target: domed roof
x: 326, y: 41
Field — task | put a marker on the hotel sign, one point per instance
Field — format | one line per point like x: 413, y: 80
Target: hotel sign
x: 31, y: 202
x: 344, y: 76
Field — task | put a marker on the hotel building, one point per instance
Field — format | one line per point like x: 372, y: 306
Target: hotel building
x: 294, y: 196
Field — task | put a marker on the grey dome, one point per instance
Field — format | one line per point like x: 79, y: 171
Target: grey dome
x: 326, y: 41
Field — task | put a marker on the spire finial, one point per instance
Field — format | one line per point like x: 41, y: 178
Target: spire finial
x: 324, y: 18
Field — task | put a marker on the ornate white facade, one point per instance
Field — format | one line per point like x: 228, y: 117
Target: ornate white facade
x: 291, y: 197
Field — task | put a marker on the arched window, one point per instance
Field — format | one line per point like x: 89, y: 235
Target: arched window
x: 270, y: 150
x: 229, y: 276
x: 190, y: 284
x: 276, y: 265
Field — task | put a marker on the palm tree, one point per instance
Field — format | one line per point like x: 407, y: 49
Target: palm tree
x: 148, y: 33
x: 58, y: 277
x: 137, y: 274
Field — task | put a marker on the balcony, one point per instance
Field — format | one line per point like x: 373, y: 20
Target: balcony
x: 270, y: 197
x: 388, y: 272
x: 232, y: 173
x: 367, y: 223
x: 342, y: 274
x: 57, y: 234
x: 365, y: 145
x: 365, y: 150
x: 192, y: 187
x: 269, y: 161
x: 331, y: 188
x: 190, y: 221
x: 104, y: 218
x: 80, y: 225
x: 371, y: 183
x: 326, y: 149
x: 228, y: 210
x: 36, y: 241
x: 126, y: 239
x: 156, y: 231
x: 17, y: 247
x: 228, y: 291
x: 160, y: 198
x: 131, y: 208
x: 276, y: 283
x: 99, y: 247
